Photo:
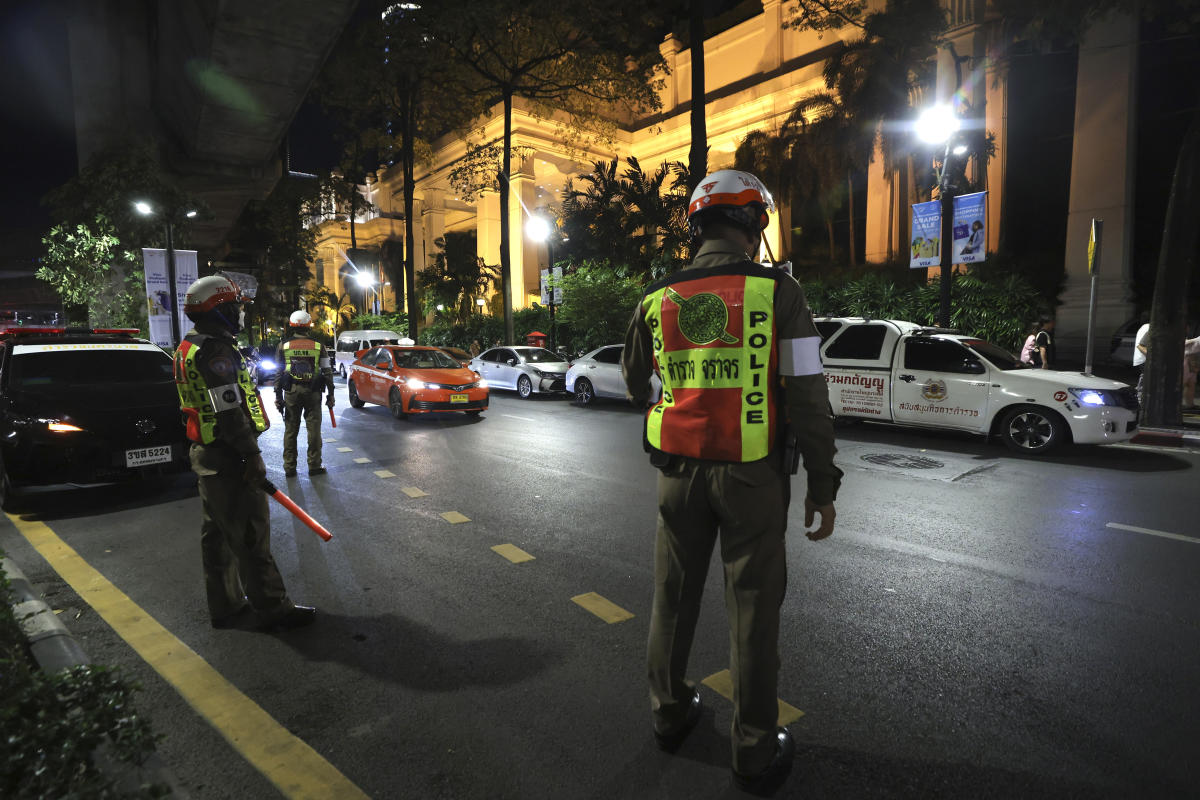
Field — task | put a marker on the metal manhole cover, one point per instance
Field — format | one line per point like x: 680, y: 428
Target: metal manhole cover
x: 902, y: 461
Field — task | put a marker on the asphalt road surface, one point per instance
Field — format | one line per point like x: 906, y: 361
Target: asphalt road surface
x: 979, y: 625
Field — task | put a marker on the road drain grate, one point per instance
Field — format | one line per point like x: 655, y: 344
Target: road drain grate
x: 903, y: 461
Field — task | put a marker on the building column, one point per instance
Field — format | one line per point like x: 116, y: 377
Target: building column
x: 433, y: 226
x: 1103, y: 159
x: 525, y: 276
x: 880, y: 210
x: 670, y: 48
x: 996, y: 123
x: 487, y: 227
x: 772, y: 20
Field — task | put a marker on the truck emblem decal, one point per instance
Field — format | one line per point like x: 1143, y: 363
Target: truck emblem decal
x: 934, y: 390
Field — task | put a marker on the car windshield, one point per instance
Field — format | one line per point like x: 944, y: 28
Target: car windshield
x: 540, y: 355
x: 999, y: 357
x: 425, y: 359
x: 67, y: 369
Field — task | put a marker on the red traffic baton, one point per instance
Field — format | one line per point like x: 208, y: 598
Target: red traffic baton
x: 298, y: 512
x: 332, y: 418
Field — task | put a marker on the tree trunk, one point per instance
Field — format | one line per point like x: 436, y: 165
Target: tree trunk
x: 1168, y: 314
x: 832, y: 246
x: 850, y: 188
x: 505, y: 239
x: 408, y: 156
x: 698, y: 154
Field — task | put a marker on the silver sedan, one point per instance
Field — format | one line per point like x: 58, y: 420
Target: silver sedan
x: 528, y: 370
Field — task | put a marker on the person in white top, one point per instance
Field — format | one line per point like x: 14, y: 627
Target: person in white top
x: 1191, y: 354
x: 1141, y: 343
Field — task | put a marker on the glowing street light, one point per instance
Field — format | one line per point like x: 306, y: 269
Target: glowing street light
x: 538, y: 228
x: 937, y: 124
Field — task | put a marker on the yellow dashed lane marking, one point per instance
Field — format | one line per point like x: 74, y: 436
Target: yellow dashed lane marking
x: 330, y: 440
x: 345, y: 449
x: 513, y: 553
x: 362, y: 461
x: 454, y: 517
x: 413, y: 491
x: 722, y: 684
x: 293, y: 766
x: 383, y: 473
x: 606, y: 610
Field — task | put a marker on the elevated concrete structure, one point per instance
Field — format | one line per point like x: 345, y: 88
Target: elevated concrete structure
x: 215, y: 82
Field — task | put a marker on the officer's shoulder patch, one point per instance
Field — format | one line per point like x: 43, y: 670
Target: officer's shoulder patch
x: 223, y: 365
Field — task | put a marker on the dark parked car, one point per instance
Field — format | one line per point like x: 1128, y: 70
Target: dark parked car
x: 85, y: 406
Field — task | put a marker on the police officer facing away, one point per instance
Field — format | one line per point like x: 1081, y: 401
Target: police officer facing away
x: 306, y: 373
x: 742, y: 390
x: 224, y: 417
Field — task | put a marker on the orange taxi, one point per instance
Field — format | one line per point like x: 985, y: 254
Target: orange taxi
x: 414, y: 380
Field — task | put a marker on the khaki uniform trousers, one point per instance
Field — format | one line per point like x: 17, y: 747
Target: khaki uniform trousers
x: 296, y: 401
x: 746, y: 506
x: 235, y: 537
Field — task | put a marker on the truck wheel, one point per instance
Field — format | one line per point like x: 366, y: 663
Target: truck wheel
x: 355, y: 400
x: 1032, y: 430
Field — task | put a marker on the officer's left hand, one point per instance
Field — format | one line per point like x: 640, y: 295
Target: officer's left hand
x: 329, y: 401
x: 828, y: 514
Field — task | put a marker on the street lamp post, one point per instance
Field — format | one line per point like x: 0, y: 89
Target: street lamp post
x: 937, y: 125
x: 540, y: 229
x: 145, y: 209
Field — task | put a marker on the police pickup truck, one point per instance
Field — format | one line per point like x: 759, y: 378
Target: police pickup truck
x: 901, y: 373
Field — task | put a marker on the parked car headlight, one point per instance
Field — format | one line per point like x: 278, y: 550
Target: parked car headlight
x: 1095, y: 397
x: 266, y: 363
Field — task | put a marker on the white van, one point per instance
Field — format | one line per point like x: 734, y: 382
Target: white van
x: 350, y: 342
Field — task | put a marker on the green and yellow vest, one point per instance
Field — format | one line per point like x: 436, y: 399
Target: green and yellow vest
x: 200, y: 404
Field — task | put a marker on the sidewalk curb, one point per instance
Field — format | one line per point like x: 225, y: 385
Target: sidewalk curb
x: 57, y: 650
x: 1171, y: 437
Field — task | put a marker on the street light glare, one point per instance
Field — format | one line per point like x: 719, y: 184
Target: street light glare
x: 364, y: 279
x: 143, y: 207
x: 937, y: 124
x: 190, y: 214
x: 960, y: 150
x: 537, y: 228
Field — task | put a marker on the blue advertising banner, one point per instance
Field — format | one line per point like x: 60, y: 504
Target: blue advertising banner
x: 970, y: 228
x: 927, y: 234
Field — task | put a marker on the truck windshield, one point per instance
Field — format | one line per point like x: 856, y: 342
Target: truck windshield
x: 1000, y: 358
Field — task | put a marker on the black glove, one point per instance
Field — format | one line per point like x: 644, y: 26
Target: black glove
x: 279, y: 403
x: 329, y: 400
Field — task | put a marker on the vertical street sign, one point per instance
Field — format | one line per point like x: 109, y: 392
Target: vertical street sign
x: 1093, y: 261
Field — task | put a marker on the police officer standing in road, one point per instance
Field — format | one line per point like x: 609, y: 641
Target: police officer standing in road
x: 306, y: 372
x: 743, y: 395
x: 224, y: 417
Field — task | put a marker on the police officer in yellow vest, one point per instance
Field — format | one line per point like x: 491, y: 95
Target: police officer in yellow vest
x: 743, y: 395
x: 224, y: 418
x: 306, y: 372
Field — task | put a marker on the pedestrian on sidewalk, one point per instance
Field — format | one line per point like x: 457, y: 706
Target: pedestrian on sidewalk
x: 305, y: 373
x: 224, y: 418
x: 1191, y: 366
x: 1141, y: 346
x: 1043, y: 344
x: 724, y: 448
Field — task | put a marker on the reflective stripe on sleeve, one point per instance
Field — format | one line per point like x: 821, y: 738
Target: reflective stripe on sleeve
x: 225, y: 397
x: 324, y: 362
x: 800, y: 356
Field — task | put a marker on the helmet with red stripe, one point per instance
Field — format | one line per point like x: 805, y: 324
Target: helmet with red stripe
x: 730, y: 196
x: 216, y: 297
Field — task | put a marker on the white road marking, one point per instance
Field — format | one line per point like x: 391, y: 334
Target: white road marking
x: 514, y: 416
x: 1152, y: 532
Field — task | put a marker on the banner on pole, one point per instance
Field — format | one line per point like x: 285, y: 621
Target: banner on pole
x: 927, y: 234
x: 158, y: 296
x: 549, y: 279
x: 970, y: 228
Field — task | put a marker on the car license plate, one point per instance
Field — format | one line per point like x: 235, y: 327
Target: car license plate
x: 458, y: 398
x: 142, y: 456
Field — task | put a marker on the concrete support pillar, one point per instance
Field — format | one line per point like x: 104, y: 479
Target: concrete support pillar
x: 772, y: 21
x: 433, y: 226
x: 487, y: 227
x: 1102, y: 182
x: 525, y: 276
x: 996, y: 123
x: 881, y: 202
x: 670, y: 48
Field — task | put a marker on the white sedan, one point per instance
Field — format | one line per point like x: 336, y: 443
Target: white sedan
x: 598, y: 375
x: 529, y: 370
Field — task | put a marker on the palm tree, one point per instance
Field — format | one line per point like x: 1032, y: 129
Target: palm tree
x: 457, y: 276
x: 338, y: 307
x: 772, y: 157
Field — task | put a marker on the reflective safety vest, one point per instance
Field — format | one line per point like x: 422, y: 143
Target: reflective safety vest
x: 300, y: 359
x: 200, y: 404
x: 713, y: 332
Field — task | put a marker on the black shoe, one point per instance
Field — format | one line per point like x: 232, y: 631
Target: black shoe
x: 767, y: 782
x: 233, y: 620
x: 294, y: 617
x: 671, y: 740
x: 289, y: 472
x: 317, y: 471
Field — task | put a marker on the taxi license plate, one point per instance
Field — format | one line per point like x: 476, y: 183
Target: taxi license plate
x: 142, y: 456
x: 458, y: 398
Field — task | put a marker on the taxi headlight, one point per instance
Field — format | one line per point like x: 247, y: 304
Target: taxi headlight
x: 1095, y: 397
x: 482, y: 384
x: 413, y: 383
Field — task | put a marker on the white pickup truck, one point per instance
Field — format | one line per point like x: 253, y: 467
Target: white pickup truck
x: 901, y: 373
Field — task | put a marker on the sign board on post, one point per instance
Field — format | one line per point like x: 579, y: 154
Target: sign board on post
x: 158, y: 296
x: 970, y: 228
x: 1093, y: 258
x: 927, y: 235
x: 552, y: 277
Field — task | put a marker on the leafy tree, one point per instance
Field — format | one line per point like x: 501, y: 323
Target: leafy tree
x: 80, y: 264
x: 457, y: 277
x: 598, y: 304
x: 578, y: 58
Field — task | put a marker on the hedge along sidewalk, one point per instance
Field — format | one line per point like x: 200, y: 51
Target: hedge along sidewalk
x: 56, y: 650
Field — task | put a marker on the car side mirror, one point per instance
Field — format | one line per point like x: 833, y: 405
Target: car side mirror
x: 512, y: 362
x: 974, y: 368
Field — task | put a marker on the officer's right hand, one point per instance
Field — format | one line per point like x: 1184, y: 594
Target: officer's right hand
x: 279, y: 405
x: 256, y: 470
x: 827, y: 517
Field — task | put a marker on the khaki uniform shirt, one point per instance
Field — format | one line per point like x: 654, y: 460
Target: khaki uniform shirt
x: 807, y: 397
